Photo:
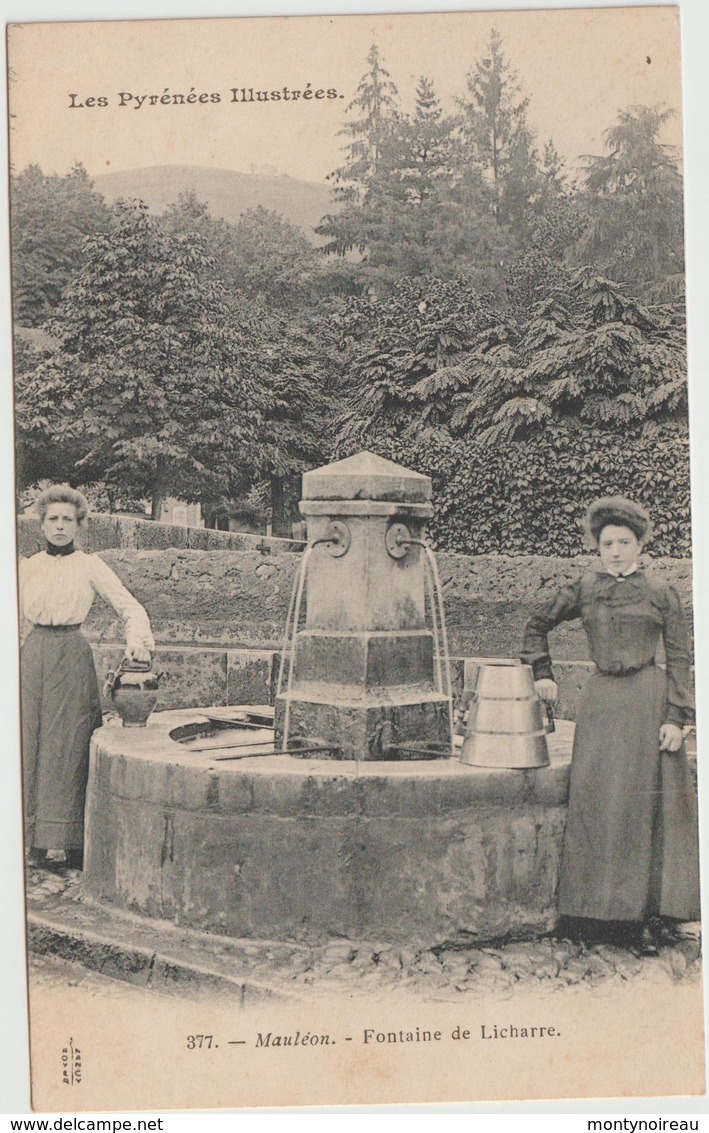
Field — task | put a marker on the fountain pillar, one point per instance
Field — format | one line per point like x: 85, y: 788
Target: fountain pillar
x: 363, y: 680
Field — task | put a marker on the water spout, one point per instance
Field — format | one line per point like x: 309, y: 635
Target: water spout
x: 291, y: 632
x: 440, y: 635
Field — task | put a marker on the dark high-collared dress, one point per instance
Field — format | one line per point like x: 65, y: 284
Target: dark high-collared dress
x: 630, y: 848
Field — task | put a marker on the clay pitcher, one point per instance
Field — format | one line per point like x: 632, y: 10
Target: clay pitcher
x: 133, y: 687
x: 506, y: 722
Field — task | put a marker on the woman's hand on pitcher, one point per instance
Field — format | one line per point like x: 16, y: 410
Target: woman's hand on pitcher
x: 670, y: 737
x: 547, y: 690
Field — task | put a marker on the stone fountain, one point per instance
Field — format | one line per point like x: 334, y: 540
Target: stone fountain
x: 352, y: 819
x: 361, y: 675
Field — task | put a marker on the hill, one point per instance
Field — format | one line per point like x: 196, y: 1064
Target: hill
x: 228, y: 193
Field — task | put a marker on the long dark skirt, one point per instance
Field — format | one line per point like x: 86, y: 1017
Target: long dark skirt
x: 631, y: 842
x: 60, y: 710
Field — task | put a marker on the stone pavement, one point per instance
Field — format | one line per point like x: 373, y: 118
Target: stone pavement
x: 65, y: 930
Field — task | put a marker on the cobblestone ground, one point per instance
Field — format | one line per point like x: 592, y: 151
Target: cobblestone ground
x: 542, y: 966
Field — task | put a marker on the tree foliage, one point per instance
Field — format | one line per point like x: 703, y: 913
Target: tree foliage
x: 189, y: 217
x: 529, y: 497
x: 475, y: 316
x: 50, y: 217
x: 43, y: 453
x: 633, y: 202
x: 519, y: 420
x: 498, y: 138
x: 272, y: 260
x: 540, y: 266
x: 147, y: 380
x: 261, y: 257
x: 389, y: 346
x: 591, y: 357
x: 290, y: 357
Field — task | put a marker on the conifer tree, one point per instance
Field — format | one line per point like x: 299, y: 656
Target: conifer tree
x: 633, y: 206
x: 409, y: 216
x: 402, y: 215
x: 373, y: 107
x: 376, y: 100
x: 424, y: 143
x: 498, y: 136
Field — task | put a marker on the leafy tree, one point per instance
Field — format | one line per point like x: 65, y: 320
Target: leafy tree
x: 290, y: 356
x: 533, y: 417
x: 540, y: 266
x: 593, y: 360
x: 262, y: 256
x: 272, y: 259
x: 633, y: 202
x: 41, y: 453
x: 189, y: 216
x: 147, y: 380
x: 388, y: 346
x: 50, y: 217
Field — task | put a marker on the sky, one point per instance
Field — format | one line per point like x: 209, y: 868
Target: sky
x: 578, y: 67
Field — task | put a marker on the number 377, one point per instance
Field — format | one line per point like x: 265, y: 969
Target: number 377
x: 197, y: 1042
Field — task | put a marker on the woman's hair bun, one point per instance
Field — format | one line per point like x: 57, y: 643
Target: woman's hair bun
x: 62, y: 494
x: 618, y: 512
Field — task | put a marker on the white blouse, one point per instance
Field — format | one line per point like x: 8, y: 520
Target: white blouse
x: 59, y: 590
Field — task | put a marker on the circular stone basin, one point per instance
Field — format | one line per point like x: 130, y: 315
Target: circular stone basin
x: 246, y: 843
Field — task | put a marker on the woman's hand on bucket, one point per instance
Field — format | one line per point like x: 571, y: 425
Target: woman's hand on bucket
x: 137, y: 653
x: 670, y: 737
x: 547, y: 690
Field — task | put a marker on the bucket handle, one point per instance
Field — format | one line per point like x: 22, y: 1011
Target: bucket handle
x: 108, y: 683
x: 461, y: 714
x: 549, y: 725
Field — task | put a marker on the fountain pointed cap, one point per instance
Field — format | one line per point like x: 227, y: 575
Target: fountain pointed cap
x: 367, y: 476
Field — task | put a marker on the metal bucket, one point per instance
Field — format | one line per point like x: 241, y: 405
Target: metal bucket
x: 506, y: 722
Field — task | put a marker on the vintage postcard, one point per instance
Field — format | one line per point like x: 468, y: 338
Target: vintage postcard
x: 352, y: 461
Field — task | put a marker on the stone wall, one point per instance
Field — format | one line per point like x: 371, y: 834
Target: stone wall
x: 202, y: 676
x: 218, y: 615
x: 240, y: 598
x: 103, y: 532
x: 227, y: 598
x: 488, y: 598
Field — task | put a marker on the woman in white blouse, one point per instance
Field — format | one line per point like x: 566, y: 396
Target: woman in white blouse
x: 60, y: 698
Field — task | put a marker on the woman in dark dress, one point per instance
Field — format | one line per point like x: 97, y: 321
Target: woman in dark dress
x: 630, y: 855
